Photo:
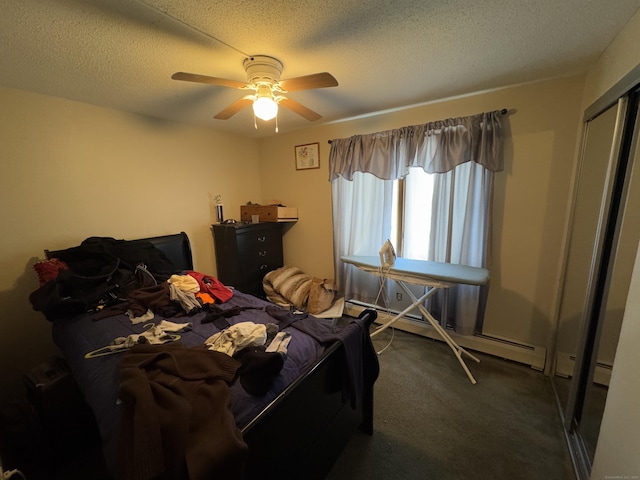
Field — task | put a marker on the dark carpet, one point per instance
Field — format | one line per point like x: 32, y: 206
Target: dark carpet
x: 432, y: 423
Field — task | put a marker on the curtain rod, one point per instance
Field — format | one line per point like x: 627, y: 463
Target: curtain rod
x: 504, y: 111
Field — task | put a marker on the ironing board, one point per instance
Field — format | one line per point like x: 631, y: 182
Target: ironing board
x: 435, y: 276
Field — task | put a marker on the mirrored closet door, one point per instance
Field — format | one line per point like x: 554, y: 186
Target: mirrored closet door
x: 604, y: 236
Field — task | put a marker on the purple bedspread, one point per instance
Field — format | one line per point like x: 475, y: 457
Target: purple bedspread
x: 98, y: 377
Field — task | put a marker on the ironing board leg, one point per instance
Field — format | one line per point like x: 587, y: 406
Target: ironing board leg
x: 418, y: 302
x: 415, y: 303
x: 457, y: 349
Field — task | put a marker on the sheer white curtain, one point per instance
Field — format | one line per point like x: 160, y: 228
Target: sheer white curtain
x: 361, y: 224
x: 463, y: 154
x: 461, y: 234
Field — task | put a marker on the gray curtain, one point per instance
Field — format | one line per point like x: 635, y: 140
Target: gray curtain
x: 436, y: 147
x: 464, y: 153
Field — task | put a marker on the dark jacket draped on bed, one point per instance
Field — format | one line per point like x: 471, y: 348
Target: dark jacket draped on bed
x: 177, y: 410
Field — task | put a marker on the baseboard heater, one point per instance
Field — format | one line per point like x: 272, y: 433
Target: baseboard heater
x: 531, y: 355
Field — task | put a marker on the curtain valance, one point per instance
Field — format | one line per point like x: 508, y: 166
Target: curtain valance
x: 436, y: 147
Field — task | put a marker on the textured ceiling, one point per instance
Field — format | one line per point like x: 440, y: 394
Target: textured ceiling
x: 384, y: 54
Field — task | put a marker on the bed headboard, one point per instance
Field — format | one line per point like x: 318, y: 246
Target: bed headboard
x: 176, y: 247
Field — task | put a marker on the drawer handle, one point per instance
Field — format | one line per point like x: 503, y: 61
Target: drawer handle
x: 263, y: 266
x: 262, y: 253
x: 262, y: 238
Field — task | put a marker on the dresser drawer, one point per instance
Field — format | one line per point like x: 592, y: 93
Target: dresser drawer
x: 261, y: 245
x: 245, y: 253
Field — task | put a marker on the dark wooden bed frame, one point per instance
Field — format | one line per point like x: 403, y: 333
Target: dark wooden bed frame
x: 307, y: 426
x: 302, y: 432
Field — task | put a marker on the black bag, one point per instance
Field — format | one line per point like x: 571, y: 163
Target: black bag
x: 71, y: 293
x: 98, y: 277
x: 51, y: 300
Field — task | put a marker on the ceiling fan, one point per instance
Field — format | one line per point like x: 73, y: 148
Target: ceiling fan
x: 263, y: 77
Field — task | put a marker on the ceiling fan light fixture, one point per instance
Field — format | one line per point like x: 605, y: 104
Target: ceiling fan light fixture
x: 265, y: 108
x: 263, y: 77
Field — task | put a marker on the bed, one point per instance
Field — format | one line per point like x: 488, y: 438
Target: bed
x: 293, y: 424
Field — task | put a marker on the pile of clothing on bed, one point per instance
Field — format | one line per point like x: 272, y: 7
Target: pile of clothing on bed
x: 175, y: 401
x: 102, y: 272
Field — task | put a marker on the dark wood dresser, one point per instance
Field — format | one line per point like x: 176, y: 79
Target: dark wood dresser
x: 246, y: 252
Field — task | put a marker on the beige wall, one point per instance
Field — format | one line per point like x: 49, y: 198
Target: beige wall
x: 616, y: 61
x: 531, y: 196
x: 619, y: 441
x: 70, y: 170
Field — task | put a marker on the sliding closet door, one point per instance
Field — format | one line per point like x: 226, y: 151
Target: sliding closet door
x: 598, y: 149
x: 603, y: 242
x: 585, y: 275
x: 625, y: 236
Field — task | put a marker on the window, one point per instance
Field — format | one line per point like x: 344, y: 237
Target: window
x: 426, y: 187
x: 411, y: 214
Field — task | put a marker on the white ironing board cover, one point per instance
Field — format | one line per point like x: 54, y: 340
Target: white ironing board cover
x: 421, y: 269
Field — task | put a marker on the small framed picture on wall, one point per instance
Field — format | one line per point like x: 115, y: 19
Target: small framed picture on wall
x: 307, y: 156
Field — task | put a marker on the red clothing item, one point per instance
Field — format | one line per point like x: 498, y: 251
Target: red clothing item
x: 212, y: 286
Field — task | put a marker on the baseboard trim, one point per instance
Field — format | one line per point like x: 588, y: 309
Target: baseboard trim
x: 531, y: 355
x: 565, y: 365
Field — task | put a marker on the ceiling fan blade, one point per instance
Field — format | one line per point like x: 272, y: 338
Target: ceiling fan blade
x: 194, y: 77
x: 234, y: 108
x: 299, y: 109
x: 307, y: 82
